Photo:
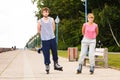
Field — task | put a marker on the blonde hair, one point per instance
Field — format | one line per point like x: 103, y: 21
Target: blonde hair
x: 90, y: 15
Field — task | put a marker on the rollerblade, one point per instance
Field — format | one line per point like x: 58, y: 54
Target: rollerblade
x: 57, y: 67
x: 91, y: 69
x: 79, y: 70
x: 47, y: 68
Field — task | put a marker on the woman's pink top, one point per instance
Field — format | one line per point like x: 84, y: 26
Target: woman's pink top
x: 90, y: 30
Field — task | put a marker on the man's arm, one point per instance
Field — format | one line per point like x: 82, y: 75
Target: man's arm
x: 53, y: 24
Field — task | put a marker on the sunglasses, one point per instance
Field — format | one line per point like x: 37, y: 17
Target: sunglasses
x: 91, y: 17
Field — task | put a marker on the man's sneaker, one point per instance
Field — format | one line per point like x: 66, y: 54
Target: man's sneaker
x: 91, y: 69
x: 79, y: 70
x: 58, y: 67
x: 47, y: 68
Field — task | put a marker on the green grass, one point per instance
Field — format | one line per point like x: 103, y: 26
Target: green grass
x: 113, y: 59
x: 63, y: 53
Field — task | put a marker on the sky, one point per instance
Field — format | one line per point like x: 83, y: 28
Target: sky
x: 17, y: 22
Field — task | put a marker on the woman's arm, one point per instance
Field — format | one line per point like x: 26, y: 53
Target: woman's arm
x: 83, y: 30
x: 97, y: 30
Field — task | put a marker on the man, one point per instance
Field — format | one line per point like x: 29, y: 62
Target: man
x: 46, y: 28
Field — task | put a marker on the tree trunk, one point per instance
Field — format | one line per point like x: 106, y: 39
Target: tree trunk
x: 113, y: 34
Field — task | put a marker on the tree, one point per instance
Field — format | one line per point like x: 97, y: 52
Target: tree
x: 107, y: 14
x: 71, y: 14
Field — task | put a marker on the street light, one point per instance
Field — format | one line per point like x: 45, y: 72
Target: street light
x: 57, y: 20
x: 85, y: 9
x: 85, y: 1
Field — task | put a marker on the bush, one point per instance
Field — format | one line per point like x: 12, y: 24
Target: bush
x: 62, y: 46
x: 114, y: 48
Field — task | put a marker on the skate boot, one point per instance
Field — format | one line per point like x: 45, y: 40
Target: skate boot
x: 91, y: 69
x: 47, y: 68
x: 57, y: 67
x: 79, y: 70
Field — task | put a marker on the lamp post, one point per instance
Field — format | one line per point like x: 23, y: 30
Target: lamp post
x: 85, y: 10
x: 85, y: 4
x: 85, y: 1
x: 57, y: 20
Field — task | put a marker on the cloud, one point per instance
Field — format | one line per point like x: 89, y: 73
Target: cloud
x: 17, y: 22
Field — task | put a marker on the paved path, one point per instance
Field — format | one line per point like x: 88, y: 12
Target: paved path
x: 28, y: 65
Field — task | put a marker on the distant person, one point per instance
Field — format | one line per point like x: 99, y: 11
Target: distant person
x: 90, y: 32
x: 14, y: 47
x: 46, y: 28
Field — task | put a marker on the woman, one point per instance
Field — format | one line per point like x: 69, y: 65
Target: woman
x: 89, y: 31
